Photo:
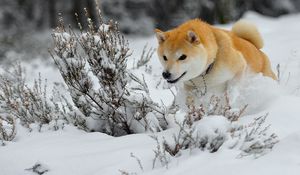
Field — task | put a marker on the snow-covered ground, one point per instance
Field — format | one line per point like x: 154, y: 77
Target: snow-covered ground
x: 72, y: 151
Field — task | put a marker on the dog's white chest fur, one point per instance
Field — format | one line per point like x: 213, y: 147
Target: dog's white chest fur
x: 214, y: 83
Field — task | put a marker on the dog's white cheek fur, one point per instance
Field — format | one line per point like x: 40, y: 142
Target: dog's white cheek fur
x: 195, y: 66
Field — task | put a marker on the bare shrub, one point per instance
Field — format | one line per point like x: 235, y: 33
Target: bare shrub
x: 38, y: 168
x: 251, y: 139
x: 255, y: 138
x: 32, y: 104
x: 93, y: 65
x: 221, y: 106
x: 183, y: 139
x: 138, y: 160
x: 22, y: 102
x: 124, y: 172
x: 160, y: 154
x: 7, y: 129
x: 188, y: 138
x: 145, y: 58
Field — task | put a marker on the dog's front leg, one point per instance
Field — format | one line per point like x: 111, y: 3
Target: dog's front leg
x: 189, y: 97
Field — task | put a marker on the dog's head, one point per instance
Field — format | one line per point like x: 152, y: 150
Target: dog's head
x: 182, y: 54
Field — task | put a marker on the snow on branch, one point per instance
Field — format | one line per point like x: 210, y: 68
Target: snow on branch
x: 93, y: 64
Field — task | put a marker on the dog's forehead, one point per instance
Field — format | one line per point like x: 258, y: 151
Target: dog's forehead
x: 175, y: 42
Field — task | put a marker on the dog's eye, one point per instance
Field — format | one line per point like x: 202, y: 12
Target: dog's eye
x: 165, y: 58
x: 182, y: 57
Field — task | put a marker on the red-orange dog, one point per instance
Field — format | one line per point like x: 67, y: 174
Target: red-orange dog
x: 196, y: 49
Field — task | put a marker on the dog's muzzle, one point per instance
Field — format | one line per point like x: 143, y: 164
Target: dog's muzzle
x: 177, y: 79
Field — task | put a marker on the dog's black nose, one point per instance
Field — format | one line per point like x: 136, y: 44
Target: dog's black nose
x: 166, y: 75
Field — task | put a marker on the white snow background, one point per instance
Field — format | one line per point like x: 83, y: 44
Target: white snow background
x: 74, y: 152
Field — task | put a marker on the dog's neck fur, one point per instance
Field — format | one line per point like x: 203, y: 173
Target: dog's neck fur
x: 210, y: 66
x: 199, y: 78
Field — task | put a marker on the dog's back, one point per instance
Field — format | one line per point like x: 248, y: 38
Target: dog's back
x: 248, y: 41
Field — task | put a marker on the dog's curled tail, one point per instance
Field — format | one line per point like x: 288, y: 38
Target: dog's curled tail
x: 249, y: 32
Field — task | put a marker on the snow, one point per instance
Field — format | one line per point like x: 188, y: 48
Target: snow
x: 72, y: 151
x: 208, y: 125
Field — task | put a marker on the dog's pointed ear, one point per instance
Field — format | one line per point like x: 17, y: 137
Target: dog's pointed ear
x: 160, y: 35
x: 192, y: 37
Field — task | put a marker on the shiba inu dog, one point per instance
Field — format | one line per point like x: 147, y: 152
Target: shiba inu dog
x: 197, y: 50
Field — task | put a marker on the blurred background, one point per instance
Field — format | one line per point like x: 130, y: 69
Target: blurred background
x: 25, y: 24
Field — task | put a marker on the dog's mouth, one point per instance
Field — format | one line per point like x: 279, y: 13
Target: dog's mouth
x: 177, y: 79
